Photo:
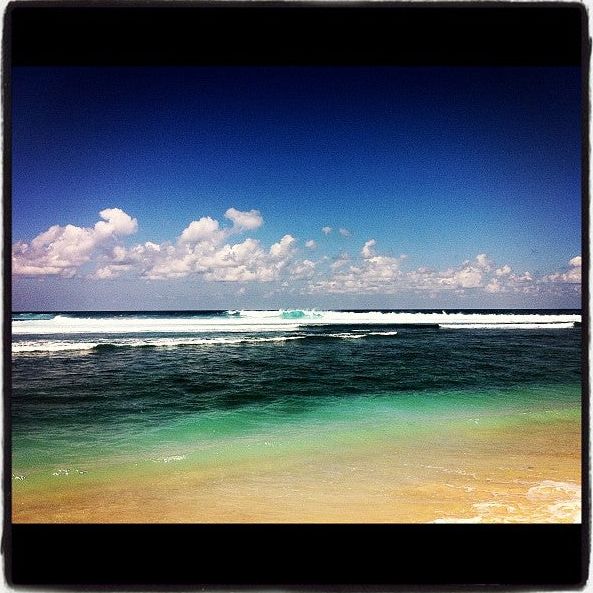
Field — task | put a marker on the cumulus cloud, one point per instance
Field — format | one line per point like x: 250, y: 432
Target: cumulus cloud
x: 340, y: 261
x: 204, y: 249
x: 467, y: 277
x: 208, y: 229
x: 494, y: 286
x: 115, y: 221
x: 326, y: 230
x: 471, y: 274
x: 61, y: 250
x: 205, y: 229
x: 146, y: 260
x: 284, y: 247
x: 344, y: 232
x: 375, y: 273
x: 244, y: 221
x: 367, y: 250
x: 572, y: 275
x: 504, y: 270
x: 109, y: 271
x: 242, y: 262
x: 207, y: 250
x: 483, y: 262
x: 303, y: 269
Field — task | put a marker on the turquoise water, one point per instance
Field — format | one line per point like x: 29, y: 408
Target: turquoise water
x: 94, y: 389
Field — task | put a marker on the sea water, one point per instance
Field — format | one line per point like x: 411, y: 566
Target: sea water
x: 98, y: 394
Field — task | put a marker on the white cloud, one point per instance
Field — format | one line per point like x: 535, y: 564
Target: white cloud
x: 204, y: 249
x: 246, y: 261
x: 375, y: 273
x: 304, y: 269
x: 148, y: 260
x: 344, y: 232
x: 494, y: 286
x: 525, y: 277
x: 283, y: 248
x: 62, y: 250
x: 205, y: 229
x: 469, y: 275
x: 115, y: 222
x: 468, y: 278
x: 243, y: 262
x: 339, y: 262
x: 503, y: 271
x: 244, y: 221
x: 110, y: 271
x: 367, y: 250
x: 326, y: 230
x: 572, y: 276
x: 208, y: 229
x: 483, y: 262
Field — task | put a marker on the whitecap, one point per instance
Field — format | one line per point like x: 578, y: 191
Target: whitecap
x: 279, y: 320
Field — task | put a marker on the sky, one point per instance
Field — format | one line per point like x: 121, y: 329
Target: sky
x: 345, y: 187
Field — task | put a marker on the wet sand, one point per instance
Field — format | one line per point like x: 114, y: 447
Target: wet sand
x: 511, y: 472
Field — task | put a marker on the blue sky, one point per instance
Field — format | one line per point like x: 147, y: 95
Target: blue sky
x: 465, y: 180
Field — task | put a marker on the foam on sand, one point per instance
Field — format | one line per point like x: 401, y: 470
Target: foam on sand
x: 547, y: 501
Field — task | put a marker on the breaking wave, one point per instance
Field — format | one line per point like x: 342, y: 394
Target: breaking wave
x: 55, y: 346
x: 273, y: 320
x: 48, y: 346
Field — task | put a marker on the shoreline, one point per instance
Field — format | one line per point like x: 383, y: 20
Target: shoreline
x: 527, y: 471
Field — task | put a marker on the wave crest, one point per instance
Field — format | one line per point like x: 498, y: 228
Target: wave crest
x: 279, y: 320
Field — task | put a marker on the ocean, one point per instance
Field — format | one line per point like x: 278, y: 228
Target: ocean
x: 296, y: 416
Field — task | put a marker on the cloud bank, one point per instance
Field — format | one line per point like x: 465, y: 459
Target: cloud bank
x: 215, y: 252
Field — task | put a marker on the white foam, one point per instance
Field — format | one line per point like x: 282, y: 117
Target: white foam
x: 392, y: 333
x: 549, y: 502
x: 566, y: 511
x: 278, y: 320
x: 172, y: 342
x: 549, y: 489
x: 49, y: 346
x: 126, y: 325
x: 345, y: 335
x: 58, y: 346
x: 169, y: 459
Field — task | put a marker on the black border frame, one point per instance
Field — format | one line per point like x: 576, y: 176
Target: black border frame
x: 295, y: 556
